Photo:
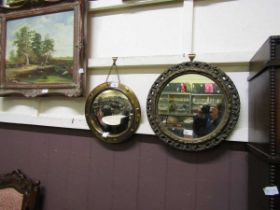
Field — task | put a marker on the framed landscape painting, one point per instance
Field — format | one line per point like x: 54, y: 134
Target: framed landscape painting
x: 43, y: 49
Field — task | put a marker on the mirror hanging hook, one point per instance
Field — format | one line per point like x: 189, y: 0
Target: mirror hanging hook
x: 114, y: 66
x: 114, y: 60
x: 191, y: 56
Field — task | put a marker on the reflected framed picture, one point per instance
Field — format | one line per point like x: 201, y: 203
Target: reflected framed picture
x: 43, y: 49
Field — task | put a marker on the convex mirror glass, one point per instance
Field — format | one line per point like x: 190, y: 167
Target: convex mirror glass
x: 112, y: 112
x: 193, y: 106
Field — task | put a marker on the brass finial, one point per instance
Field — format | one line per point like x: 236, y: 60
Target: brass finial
x: 114, y: 60
x: 191, y: 56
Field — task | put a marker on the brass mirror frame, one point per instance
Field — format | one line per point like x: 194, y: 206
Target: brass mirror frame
x: 93, y: 121
x: 225, y: 127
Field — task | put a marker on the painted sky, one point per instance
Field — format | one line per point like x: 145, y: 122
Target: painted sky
x: 58, y: 26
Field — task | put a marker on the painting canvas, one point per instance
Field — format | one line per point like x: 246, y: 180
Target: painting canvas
x: 43, y: 46
x: 38, y: 50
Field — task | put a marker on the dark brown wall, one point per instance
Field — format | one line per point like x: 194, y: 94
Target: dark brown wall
x: 77, y: 172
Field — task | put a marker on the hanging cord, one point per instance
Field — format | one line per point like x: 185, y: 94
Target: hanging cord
x: 114, y: 66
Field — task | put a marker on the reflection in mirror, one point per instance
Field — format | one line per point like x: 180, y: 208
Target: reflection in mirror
x: 113, y: 111
x: 191, y: 106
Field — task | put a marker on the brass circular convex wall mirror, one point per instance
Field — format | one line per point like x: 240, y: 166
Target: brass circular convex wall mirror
x: 193, y: 106
x: 112, y: 112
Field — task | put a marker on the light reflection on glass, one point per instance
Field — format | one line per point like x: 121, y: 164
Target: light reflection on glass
x: 191, y: 106
x: 113, y: 111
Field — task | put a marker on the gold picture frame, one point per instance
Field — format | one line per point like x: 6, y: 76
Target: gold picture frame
x: 43, y: 48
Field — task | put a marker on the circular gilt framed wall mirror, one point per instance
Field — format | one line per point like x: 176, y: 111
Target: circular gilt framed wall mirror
x: 193, y: 106
x: 112, y: 112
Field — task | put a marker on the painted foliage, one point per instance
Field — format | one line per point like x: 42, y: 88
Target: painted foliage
x: 40, y: 49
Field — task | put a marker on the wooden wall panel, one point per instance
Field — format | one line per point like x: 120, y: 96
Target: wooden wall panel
x: 79, y: 172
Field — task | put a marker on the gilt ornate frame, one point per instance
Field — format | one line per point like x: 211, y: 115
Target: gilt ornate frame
x: 64, y: 73
x: 231, y: 114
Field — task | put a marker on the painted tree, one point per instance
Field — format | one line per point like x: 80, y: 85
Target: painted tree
x: 32, y: 47
x: 23, y: 43
x: 47, y: 49
x: 36, y: 44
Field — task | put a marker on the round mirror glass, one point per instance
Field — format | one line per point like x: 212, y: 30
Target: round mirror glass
x: 112, y: 112
x: 193, y: 106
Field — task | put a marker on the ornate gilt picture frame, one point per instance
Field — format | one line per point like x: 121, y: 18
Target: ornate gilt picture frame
x: 43, y: 48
